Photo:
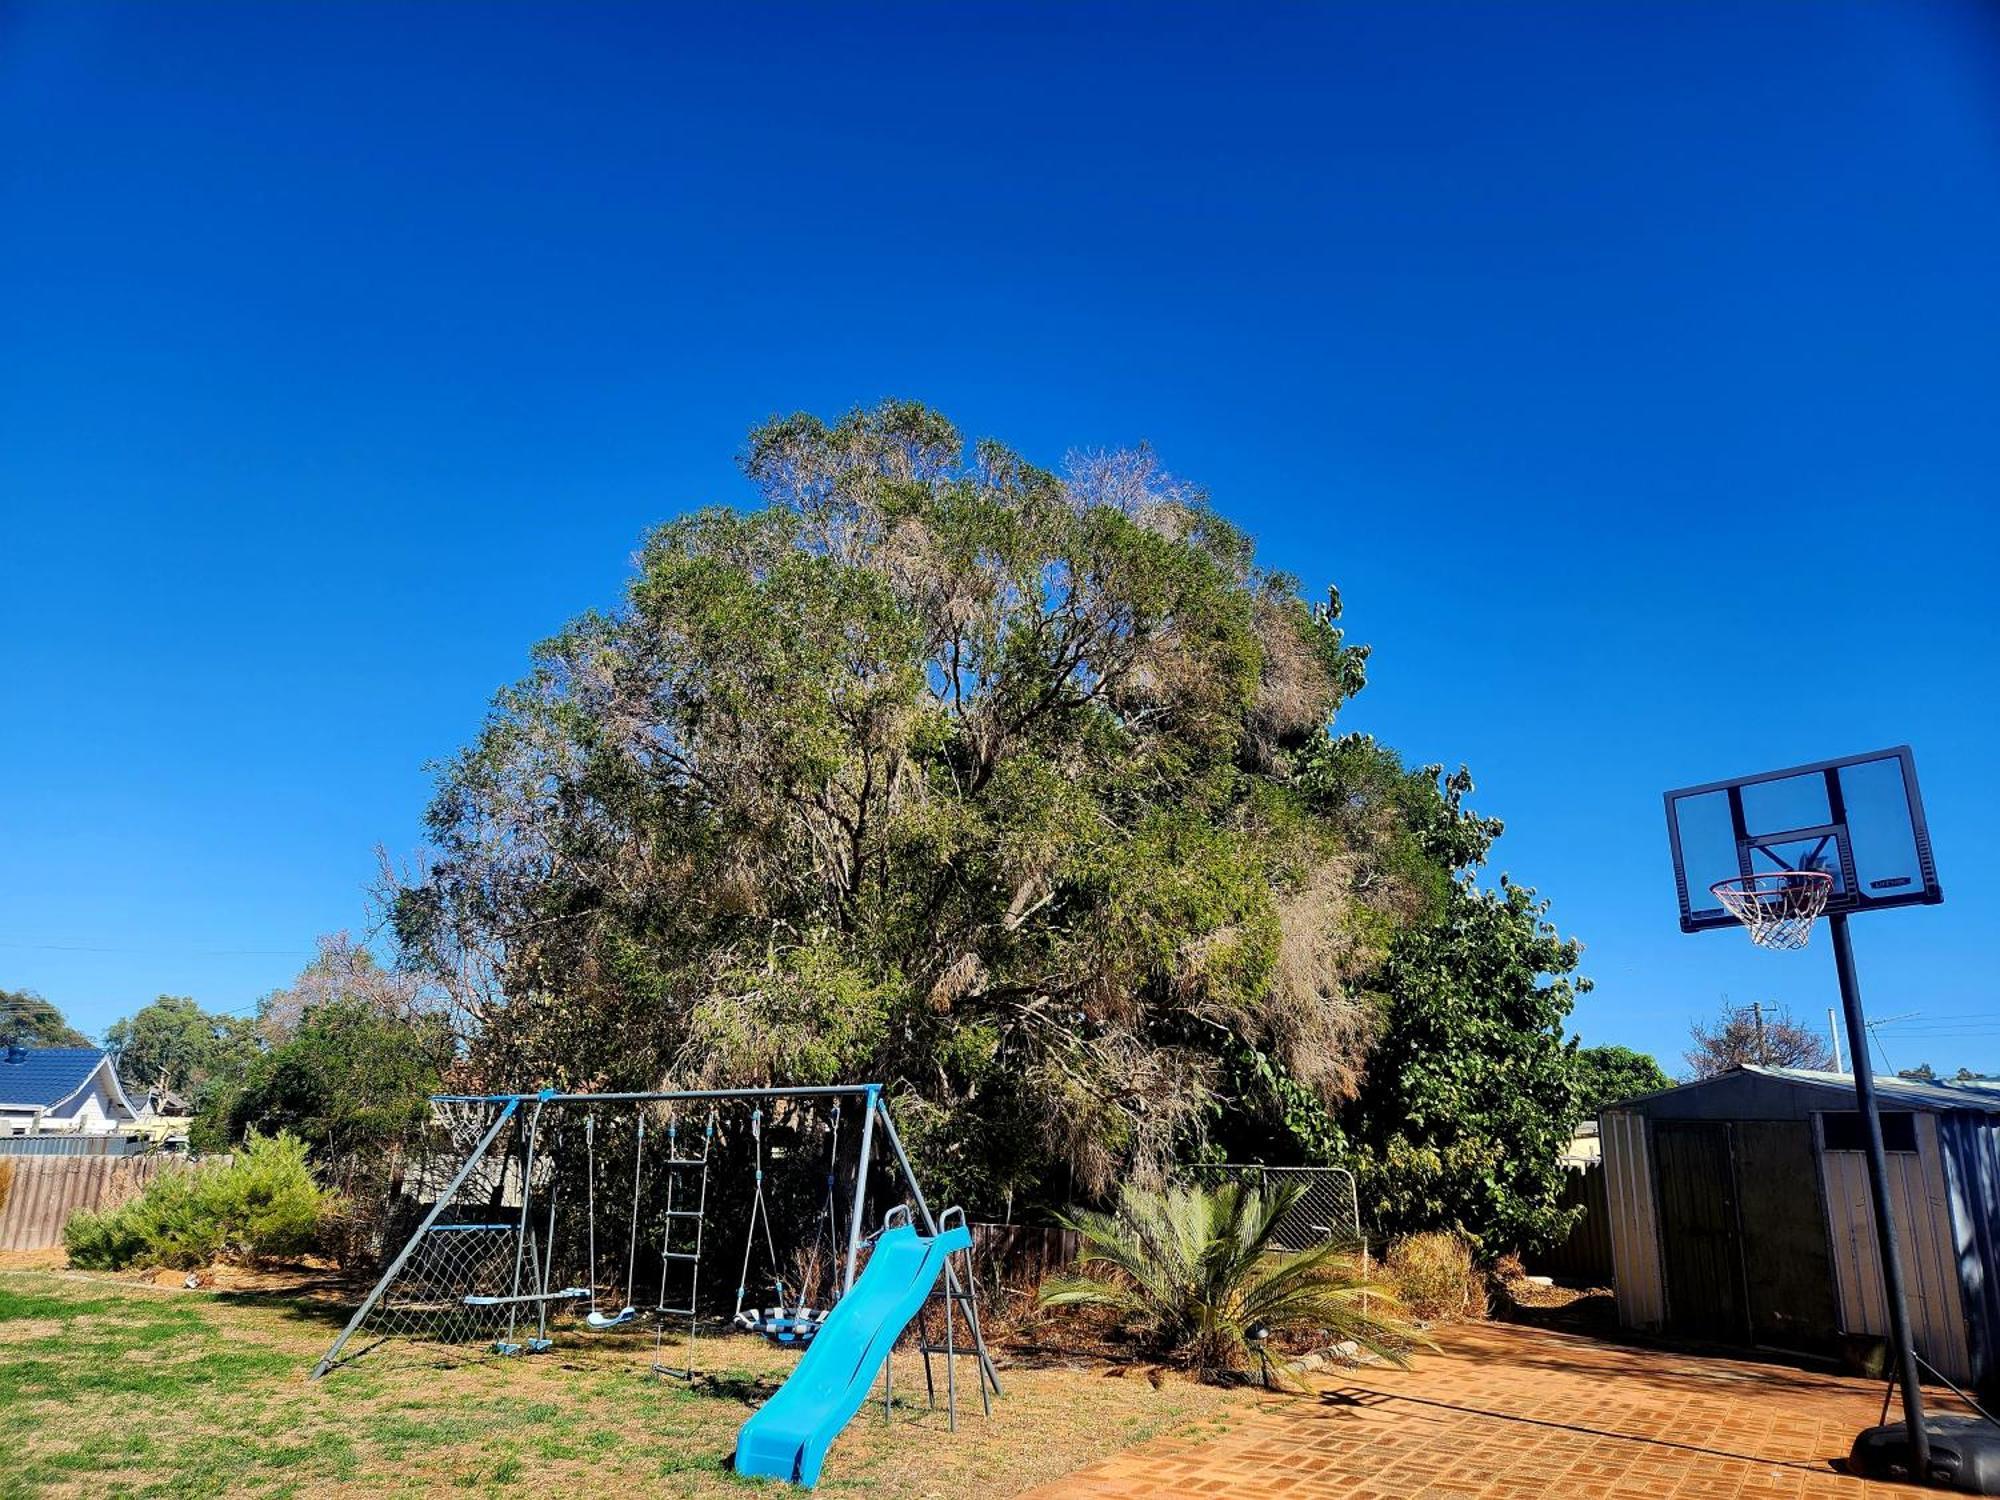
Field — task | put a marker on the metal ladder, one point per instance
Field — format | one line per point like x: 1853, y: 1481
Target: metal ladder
x: 672, y: 1254
x: 955, y: 1291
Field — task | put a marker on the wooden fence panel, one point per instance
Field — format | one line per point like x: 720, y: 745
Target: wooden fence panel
x: 1021, y: 1254
x: 48, y: 1189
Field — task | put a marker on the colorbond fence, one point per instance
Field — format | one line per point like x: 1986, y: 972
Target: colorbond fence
x: 1586, y: 1254
x: 48, y: 1189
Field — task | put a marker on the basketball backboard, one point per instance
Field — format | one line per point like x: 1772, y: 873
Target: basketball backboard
x: 1860, y: 819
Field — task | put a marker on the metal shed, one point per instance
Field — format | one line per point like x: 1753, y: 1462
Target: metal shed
x: 1740, y: 1213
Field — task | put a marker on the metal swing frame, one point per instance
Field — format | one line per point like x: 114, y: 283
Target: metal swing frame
x: 790, y: 1321
x: 594, y: 1320
x: 957, y: 1292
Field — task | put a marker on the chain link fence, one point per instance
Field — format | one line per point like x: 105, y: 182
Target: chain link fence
x: 1329, y: 1205
x: 465, y: 1175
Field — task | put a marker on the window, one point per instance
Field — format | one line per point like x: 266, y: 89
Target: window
x: 1843, y: 1131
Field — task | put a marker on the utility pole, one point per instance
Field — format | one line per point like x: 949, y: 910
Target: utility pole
x: 1763, y: 1047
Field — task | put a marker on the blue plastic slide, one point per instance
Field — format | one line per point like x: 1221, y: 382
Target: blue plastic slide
x: 787, y: 1437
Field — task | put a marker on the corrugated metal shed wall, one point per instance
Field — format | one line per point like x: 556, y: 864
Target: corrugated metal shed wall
x: 1923, y: 1228
x: 1971, y: 1147
x: 1635, y: 1240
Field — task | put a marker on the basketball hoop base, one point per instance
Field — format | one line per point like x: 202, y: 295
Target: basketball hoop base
x: 1965, y: 1454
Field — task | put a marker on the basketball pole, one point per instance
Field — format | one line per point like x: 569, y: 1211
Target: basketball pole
x: 1878, y: 1191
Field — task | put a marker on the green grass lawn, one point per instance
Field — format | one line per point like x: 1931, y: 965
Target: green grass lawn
x: 111, y: 1386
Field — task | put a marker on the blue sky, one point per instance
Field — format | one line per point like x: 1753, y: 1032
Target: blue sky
x: 1632, y: 370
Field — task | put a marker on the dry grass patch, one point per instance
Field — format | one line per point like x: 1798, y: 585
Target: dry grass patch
x: 1435, y: 1277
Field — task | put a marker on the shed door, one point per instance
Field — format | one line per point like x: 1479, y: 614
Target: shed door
x: 1788, y: 1271
x: 1700, y: 1243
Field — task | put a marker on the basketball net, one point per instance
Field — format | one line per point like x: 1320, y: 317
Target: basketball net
x: 1778, y: 909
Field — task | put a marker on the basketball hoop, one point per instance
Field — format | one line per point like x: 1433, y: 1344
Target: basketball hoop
x: 1779, y: 909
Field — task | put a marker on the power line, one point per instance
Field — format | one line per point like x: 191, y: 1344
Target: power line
x: 159, y: 952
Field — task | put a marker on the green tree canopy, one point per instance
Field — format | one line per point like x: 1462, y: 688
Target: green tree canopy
x: 1471, y: 1095
x: 1011, y: 788
x: 28, y: 1020
x: 174, y: 1039
x: 350, y: 1082
x: 1607, y: 1074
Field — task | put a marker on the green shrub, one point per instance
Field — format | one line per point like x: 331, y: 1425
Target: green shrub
x: 104, y: 1241
x: 262, y: 1205
x: 1435, y: 1278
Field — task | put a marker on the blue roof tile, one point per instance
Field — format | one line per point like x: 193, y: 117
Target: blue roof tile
x: 45, y: 1075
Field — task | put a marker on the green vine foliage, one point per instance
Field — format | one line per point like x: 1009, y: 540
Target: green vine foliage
x: 1472, y: 1091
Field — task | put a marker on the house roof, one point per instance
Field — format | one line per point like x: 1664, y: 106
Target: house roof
x: 47, y: 1077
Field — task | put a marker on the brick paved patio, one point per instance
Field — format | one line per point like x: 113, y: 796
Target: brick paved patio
x: 1508, y: 1413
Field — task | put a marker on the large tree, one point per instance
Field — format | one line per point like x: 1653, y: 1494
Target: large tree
x: 1011, y: 788
x: 28, y: 1020
x: 173, y: 1040
x: 349, y: 1081
x: 1472, y: 1092
x: 1610, y: 1073
x: 343, y: 1058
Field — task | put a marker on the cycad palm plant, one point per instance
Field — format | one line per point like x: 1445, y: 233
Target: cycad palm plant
x: 1192, y: 1271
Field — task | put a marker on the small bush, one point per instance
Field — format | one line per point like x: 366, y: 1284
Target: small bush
x: 105, y: 1241
x: 1435, y: 1277
x: 1191, y: 1271
x: 262, y: 1205
x: 6, y: 1181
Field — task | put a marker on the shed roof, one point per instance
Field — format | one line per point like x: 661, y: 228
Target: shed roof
x: 1903, y: 1093
x: 1941, y: 1094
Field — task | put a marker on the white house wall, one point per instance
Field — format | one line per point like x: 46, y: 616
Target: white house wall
x: 1922, y: 1208
x: 95, y: 1110
x: 1635, y: 1238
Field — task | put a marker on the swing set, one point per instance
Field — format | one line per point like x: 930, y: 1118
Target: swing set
x: 482, y: 1267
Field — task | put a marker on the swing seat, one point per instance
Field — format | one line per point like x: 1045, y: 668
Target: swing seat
x: 567, y: 1294
x: 782, y: 1325
x: 601, y: 1321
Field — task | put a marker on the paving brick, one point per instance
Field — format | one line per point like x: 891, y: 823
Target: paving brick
x: 1505, y: 1412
